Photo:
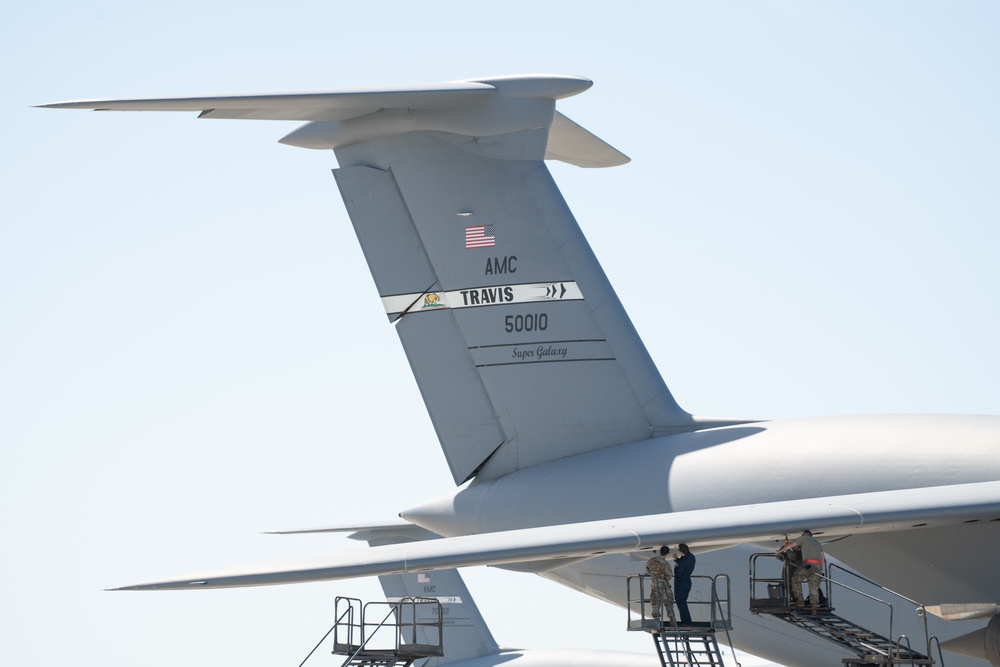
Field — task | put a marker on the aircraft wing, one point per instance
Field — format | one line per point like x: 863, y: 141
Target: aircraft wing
x: 832, y: 516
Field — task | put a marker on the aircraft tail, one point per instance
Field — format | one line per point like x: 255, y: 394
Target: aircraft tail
x: 520, y: 347
x: 465, y: 633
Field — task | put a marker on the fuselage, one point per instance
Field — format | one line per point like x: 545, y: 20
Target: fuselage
x: 765, y: 462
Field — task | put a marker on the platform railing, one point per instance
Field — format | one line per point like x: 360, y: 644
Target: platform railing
x: 405, y: 627
x: 710, y: 607
x: 918, y: 607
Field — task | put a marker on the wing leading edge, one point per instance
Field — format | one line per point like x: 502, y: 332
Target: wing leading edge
x: 717, y: 527
x: 315, y: 106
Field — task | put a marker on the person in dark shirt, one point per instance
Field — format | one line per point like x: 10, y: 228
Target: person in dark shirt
x: 683, y: 568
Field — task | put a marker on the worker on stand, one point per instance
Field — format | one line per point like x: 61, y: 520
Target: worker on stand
x: 683, y: 569
x: 661, y: 594
x: 810, y: 571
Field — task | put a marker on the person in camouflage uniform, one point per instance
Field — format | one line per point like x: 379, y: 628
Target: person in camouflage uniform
x: 810, y: 571
x: 661, y: 593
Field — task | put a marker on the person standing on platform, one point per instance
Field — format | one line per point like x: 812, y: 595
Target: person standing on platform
x: 683, y: 569
x: 660, y: 595
x: 811, y: 571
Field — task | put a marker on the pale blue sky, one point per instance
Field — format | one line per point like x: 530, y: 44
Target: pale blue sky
x: 192, y: 351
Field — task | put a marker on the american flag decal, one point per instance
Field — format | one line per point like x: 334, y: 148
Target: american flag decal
x: 480, y: 236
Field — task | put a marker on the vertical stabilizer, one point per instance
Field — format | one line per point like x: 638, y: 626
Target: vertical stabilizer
x: 464, y: 631
x: 521, y: 349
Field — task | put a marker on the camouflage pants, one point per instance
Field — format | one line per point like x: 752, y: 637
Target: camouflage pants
x: 662, y: 595
x: 810, y: 576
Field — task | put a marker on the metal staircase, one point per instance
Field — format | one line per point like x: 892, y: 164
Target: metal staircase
x: 690, y: 644
x: 686, y: 647
x: 870, y: 648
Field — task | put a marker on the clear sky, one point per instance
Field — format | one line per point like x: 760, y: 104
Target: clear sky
x: 192, y: 350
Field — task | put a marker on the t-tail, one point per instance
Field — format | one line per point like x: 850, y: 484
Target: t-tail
x: 520, y: 347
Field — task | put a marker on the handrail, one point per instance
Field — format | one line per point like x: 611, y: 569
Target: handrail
x: 936, y: 641
x: 725, y: 615
x: 873, y: 583
x: 728, y: 619
x: 364, y: 639
x: 909, y: 648
x: 349, y: 612
x: 629, y: 600
x: 920, y: 607
x: 320, y: 643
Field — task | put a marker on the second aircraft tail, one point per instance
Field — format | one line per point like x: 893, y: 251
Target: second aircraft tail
x: 465, y: 633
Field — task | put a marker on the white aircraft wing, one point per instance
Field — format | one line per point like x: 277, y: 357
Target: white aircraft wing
x: 316, y: 106
x: 907, y: 509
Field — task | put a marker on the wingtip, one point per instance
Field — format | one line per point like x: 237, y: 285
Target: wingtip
x: 135, y: 587
x: 74, y: 104
x: 57, y: 105
x: 164, y: 587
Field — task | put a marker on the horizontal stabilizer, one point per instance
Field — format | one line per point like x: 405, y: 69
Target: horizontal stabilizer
x: 438, y: 106
x: 832, y: 516
x: 316, y: 106
x: 390, y: 525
